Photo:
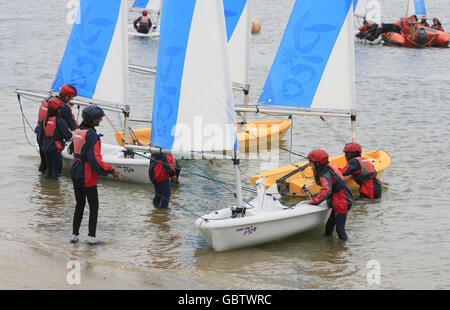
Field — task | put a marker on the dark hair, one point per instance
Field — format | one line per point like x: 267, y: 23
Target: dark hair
x: 319, y: 170
x: 350, y: 155
x: 51, y: 113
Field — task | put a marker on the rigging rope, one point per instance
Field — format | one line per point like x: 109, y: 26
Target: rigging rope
x: 25, y: 120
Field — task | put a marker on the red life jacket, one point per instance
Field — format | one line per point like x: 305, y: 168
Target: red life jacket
x: 144, y: 22
x: 367, y: 171
x: 162, y: 168
x: 43, y: 110
x: 437, y: 27
x: 49, y: 130
x: 79, y: 140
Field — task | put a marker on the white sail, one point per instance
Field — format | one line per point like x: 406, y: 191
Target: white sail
x: 360, y: 9
x: 154, y: 6
x: 193, y: 108
x: 238, y: 23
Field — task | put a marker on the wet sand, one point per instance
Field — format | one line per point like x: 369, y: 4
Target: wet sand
x: 28, y: 267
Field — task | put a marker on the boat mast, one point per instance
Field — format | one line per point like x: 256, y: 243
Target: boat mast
x: 237, y: 175
x: 353, y: 120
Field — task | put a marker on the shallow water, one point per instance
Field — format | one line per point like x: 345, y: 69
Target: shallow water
x: 402, y: 101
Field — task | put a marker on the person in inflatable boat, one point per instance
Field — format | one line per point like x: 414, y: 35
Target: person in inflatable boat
x: 437, y: 24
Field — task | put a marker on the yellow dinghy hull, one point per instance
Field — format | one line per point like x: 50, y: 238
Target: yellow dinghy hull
x: 380, y: 160
x: 251, y: 135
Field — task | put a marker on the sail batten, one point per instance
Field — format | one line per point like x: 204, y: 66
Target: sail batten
x: 96, y: 57
x: 306, y: 70
x: 193, y: 106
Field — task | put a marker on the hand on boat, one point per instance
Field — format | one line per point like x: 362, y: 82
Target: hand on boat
x: 116, y: 175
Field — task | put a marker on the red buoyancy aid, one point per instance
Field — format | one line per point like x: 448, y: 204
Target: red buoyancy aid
x: 367, y: 171
x: 79, y: 139
x: 43, y: 110
x: 437, y: 27
x: 144, y: 22
x: 162, y: 168
x: 333, y: 189
x: 341, y: 198
x: 49, y: 130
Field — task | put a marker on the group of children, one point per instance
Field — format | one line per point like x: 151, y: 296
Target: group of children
x: 57, y: 126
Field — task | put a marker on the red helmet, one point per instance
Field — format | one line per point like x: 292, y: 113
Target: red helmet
x: 352, y: 147
x: 144, y: 12
x: 318, y: 156
x: 435, y: 19
x: 55, y: 103
x: 68, y: 90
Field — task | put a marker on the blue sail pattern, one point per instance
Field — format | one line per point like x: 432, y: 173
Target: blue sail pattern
x: 88, y: 46
x: 141, y: 4
x: 304, y: 52
x: 355, y: 3
x: 419, y: 7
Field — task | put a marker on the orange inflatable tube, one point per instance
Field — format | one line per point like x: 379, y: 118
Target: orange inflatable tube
x: 416, y: 36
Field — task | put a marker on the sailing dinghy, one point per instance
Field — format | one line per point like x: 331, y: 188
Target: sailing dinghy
x: 96, y: 63
x: 154, y: 13
x: 251, y: 134
x: 366, y: 10
x: 313, y: 74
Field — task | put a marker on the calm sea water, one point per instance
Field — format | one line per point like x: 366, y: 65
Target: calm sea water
x: 403, y: 108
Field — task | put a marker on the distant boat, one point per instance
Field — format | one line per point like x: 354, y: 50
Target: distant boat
x: 154, y: 13
x: 416, y: 36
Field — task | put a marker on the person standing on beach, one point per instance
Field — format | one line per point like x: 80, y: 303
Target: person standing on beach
x: 88, y: 165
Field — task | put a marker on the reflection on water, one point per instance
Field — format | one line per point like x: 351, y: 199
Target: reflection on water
x: 164, y: 242
x: 51, y: 213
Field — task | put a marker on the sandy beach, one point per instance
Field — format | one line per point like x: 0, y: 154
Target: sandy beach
x: 26, y: 266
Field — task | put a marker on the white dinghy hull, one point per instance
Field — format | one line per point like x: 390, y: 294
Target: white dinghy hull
x: 259, y: 225
x: 131, y: 169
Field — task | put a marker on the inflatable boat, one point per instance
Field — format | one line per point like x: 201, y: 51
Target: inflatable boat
x: 420, y: 37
